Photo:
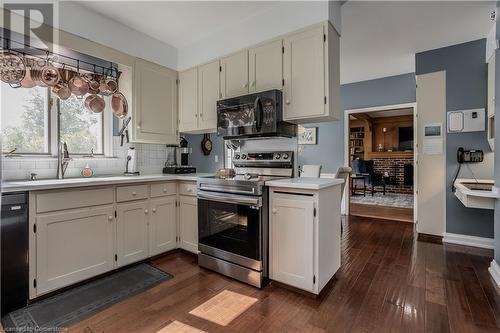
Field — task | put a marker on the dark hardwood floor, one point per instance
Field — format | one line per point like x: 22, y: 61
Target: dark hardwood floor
x: 388, y: 282
x: 382, y: 212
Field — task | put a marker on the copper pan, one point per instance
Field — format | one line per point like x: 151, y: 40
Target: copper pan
x: 119, y: 105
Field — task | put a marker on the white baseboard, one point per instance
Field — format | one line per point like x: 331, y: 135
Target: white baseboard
x: 494, y: 270
x: 485, y: 243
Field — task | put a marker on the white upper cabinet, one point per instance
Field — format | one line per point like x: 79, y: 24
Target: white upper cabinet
x: 188, y: 101
x: 208, y: 94
x: 154, y: 113
x: 234, y: 74
x: 312, y: 75
x: 266, y: 66
x: 199, y: 90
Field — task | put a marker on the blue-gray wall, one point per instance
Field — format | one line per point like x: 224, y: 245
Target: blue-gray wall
x: 201, y: 162
x: 329, y: 152
x: 466, y: 88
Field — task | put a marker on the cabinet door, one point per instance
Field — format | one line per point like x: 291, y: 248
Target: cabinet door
x: 154, y: 116
x: 491, y: 85
x: 266, y: 66
x: 188, y: 100
x: 208, y: 94
x: 234, y: 74
x: 162, y: 225
x: 132, y: 232
x: 304, y: 74
x: 292, y: 241
x: 188, y: 223
x: 73, y: 245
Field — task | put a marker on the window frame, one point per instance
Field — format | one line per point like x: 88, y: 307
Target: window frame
x: 54, y: 134
x: 50, y: 127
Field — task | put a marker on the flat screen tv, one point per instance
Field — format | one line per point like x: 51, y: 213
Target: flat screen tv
x: 406, y: 138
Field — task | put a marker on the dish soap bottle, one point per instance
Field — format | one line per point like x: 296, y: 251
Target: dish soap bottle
x: 87, y: 172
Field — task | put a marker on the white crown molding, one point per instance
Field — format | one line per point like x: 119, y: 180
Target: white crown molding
x: 494, y: 270
x: 482, y: 242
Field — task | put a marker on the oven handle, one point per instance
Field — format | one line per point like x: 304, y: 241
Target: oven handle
x: 225, y: 189
x: 236, y: 199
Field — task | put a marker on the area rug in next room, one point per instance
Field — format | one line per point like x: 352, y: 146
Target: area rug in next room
x: 390, y: 200
x: 58, y: 312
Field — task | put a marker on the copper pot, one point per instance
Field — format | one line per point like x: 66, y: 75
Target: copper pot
x: 49, y: 74
x: 78, y: 85
x: 62, y: 91
x: 95, y: 103
x: 108, y: 87
x: 119, y: 105
x: 12, y: 68
x: 28, y: 81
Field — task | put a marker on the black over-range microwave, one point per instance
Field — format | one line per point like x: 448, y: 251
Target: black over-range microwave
x: 255, y: 115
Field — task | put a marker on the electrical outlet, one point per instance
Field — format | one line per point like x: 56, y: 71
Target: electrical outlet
x: 216, y: 158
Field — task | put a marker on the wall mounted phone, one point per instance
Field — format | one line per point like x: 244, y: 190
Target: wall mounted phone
x: 469, y: 156
x: 466, y: 156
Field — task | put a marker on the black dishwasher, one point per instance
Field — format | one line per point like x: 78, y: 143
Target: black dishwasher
x: 14, y: 246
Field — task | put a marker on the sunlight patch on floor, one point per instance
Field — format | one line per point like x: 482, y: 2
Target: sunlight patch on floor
x: 223, y: 307
x: 178, y: 327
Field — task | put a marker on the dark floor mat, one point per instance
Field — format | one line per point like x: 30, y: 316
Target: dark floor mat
x: 55, y: 313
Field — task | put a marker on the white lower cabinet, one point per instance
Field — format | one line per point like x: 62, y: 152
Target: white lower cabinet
x: 188, y: 223
x: 162, y: 225
x: 304, y: 236
x: 69, y: 244
x: 73, y: 245
x: 132, y: 232
x: 292, y: 232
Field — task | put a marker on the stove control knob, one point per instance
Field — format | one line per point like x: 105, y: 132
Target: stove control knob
x: 237, y: 156
x: 285, y: 156
x: 277, y: 156
x: 243, y: 156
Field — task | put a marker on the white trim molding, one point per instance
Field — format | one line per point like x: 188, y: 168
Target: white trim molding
x: 483, y: 242
x: 494, y: 270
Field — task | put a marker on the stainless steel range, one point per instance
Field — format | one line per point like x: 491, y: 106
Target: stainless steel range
x: 233, y: 216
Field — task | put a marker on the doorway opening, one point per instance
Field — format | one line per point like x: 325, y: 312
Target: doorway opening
x: 380, y: 149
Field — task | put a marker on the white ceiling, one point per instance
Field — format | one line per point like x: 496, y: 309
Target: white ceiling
x: 378, y: 38
x: 381, y: 38
x: 178, y: 23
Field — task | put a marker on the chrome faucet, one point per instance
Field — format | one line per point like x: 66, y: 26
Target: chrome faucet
x: 62, y: 160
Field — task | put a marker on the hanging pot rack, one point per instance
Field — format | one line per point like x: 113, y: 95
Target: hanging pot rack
x: 110, y: 71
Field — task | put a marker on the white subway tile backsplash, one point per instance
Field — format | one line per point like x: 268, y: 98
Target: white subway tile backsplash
x: 150, y: 159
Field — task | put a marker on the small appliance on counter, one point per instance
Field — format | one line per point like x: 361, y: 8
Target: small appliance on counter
x: 176, y: 154
x: 131, y: 164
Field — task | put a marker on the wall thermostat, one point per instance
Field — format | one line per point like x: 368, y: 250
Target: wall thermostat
x: 466, y: 121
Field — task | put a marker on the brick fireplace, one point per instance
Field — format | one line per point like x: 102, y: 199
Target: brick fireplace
x: 400, y: 171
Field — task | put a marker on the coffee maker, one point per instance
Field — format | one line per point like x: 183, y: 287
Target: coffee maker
x: 178, y: 158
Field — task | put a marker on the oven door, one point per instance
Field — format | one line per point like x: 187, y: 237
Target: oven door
x: 230, y: 228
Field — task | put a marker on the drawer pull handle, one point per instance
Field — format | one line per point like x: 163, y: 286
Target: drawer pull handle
x: 134, y: 193
x: 190, y: 189
x: 154, y: 210
x: 110, y: 218
x: 146, y: 211
x: 164, y: 189
x: 274, y: 210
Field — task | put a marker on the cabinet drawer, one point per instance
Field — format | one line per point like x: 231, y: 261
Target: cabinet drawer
x: 187, y: 189
x: 48, y: 201
x: 162, y: 189
x: 134, y: 192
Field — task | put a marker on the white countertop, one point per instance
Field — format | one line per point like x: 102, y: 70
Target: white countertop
x: 48, y: 184
x: 305, y: 183
x: 494, y: 193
